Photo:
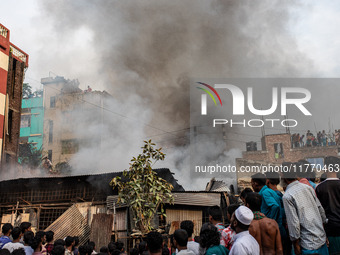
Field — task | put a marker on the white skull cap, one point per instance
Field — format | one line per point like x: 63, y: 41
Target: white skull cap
x: 244, y: 215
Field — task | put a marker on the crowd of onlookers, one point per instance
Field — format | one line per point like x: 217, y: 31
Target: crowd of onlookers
x: 22, y: 241
x: 320, y: 139
x: 284, y: 213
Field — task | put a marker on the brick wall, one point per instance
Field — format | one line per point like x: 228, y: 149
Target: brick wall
x: 266, y: 157
x: 14, y: 95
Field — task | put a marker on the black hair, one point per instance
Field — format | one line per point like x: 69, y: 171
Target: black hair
x: 232, y: 208
x: 59, y: 242
x: 254, y: 201
x: 331, y: 161
x: 209, y: 235
x: 49, y: 236
x: 154, y: 241
x: 16, y: 233
x: 289, y: 170
x: 36, y: 242
x: 120, y: 246
x: 116, y: 252
x: 28, y: 237
x: 165, y: 239
x: 323, y: 177
x: 244, y: 192
x: 69, y: 241
x: 85, y: 249
x: 273, y: 178
x: 188, y: 226
x: 5, y: 252
x: 165, y: 251
x: 181, y: 237
x: 134, y: 251
x: 58, y: 250
x: 111, y: 246
x: 76, y: 240
x: 104, y: 249
x: 19, y: 251
x: 215, y: 213
x: 40, y: 234
x: 25, y: 226
x: 259, y: 178
x: 303, y: 168
x: 92, y: 244
x: 6, y: 228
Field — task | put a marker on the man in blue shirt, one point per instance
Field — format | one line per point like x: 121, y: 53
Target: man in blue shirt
x: 272, y: 205
x: 6, y: 231
x: 270, y: 202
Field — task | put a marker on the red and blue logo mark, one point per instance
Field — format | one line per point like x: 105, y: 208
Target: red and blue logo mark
x: 209, y: 93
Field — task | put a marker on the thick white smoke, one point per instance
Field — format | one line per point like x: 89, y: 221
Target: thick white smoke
x: 144, y: 52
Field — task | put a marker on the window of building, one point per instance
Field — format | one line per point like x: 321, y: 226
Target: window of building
x: 49, y: 155
x: 8, y: 158
x: 50, y: 131
x: 317, y: 163
x: 23, y: 139
x: 10, y: 124
x: 25, y: 110
x: 14, y: 69
x: 278, y: 150
x: 69, y: 146
x: 25, y: 121
x: 52, y: 102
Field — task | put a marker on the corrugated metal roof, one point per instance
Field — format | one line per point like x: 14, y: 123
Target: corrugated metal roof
x: 180, y: 198
x: 119, y: 173
x: 218, y: 186
x: 197, y: 199
x: 71, y: 223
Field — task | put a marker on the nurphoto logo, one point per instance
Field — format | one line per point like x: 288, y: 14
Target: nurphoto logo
x: 288, y: 96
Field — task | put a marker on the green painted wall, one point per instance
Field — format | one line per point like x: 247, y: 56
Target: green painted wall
x: 34, y: 132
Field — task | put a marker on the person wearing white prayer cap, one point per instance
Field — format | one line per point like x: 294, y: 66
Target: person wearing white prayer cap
x: 244, y: 243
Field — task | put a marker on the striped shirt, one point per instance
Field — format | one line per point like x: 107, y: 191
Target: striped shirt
x: 305, y: 216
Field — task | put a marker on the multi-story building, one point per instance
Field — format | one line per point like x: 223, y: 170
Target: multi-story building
x: 13, y: 63
x: 68, y: 111
x: 32, y: 121
x: 276, y: 149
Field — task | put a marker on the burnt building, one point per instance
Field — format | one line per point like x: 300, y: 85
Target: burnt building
x: 13, y: 64
x: 67, y: 109
x: 43, y: 200
x: 87, y: 206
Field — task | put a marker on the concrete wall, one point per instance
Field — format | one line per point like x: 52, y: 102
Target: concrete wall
x: 72, y: 110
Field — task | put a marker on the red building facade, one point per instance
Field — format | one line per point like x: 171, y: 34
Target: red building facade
x: 13, y: 64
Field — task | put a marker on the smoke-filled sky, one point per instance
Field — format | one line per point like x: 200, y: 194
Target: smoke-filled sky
x: 144, y: 52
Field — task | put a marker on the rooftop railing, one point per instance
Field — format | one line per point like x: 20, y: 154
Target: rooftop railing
x: 3, y: 31
x: 19, y: 54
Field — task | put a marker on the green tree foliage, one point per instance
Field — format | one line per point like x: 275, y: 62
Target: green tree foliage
x: 142, y: 189
x: 29, y: 155
x: 26, y: 90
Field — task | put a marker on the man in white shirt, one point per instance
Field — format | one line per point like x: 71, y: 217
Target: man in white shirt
x: 181, y: 241
x: 16, y: 235
x: 188, y: 226
x: 244, y: 243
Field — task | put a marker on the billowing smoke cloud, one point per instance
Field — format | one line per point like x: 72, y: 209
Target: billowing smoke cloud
x: 144, y: 53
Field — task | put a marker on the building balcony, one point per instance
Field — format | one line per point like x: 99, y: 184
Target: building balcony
x: 3, y: 31
x: 19, y: 54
